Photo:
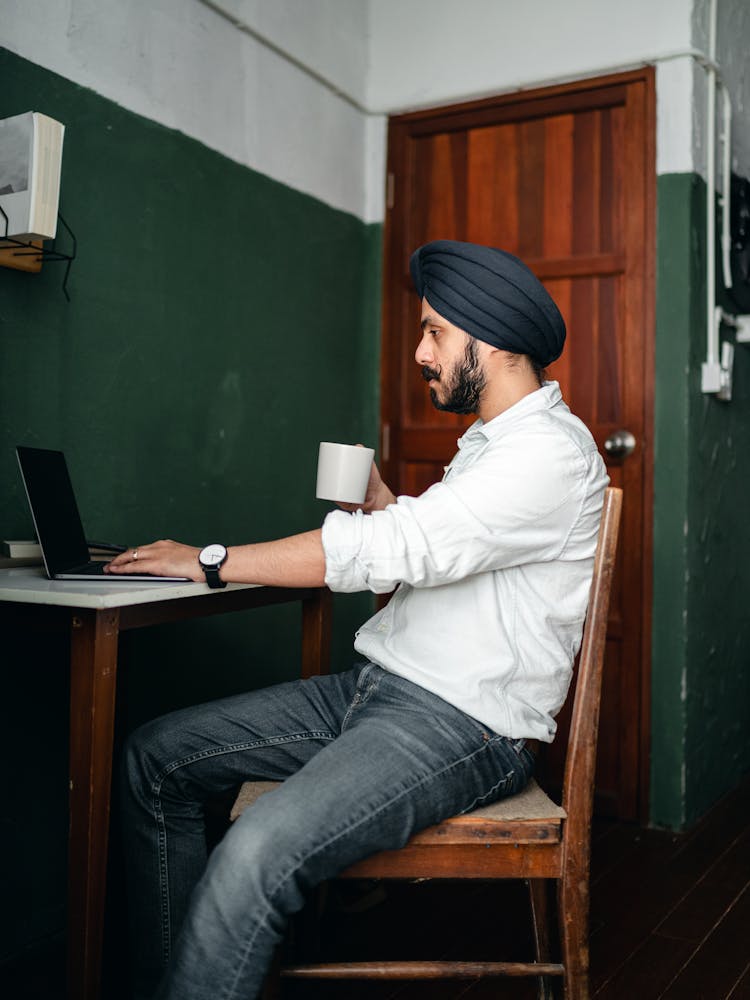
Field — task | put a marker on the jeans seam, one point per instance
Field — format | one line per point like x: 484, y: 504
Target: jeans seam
x: 360, y: 695
x: 483, y: 798
x: 156, y: 786
x: 231, y: 994
x: 354, y: 702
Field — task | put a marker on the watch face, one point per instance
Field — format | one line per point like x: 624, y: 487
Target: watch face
x: 213, y: 555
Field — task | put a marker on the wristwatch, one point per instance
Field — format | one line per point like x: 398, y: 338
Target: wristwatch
x: 212, y: 558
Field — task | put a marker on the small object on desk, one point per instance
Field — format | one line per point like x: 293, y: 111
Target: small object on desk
x: 13, y: 562
x: 21, y: 549
x: 19, y: 553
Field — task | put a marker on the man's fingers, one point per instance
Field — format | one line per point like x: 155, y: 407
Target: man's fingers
x: 131, y: 559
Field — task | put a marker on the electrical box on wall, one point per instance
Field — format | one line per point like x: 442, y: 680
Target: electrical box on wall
x: 716, y: 373
x: 740, y: 244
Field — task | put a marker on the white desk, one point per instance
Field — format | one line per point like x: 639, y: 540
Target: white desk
x: 94, y: 614
x: 29, y: 585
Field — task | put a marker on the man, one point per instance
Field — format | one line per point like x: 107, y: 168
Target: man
x: 469, y: 660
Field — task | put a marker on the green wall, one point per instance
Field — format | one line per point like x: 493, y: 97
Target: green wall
x: 220, y: 326
x: 673, y: 325
x: 701, y: 628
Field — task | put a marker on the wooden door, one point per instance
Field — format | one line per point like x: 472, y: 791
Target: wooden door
x: 564, y: 178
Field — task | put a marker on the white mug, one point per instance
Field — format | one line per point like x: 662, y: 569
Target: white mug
x: 343, y: 472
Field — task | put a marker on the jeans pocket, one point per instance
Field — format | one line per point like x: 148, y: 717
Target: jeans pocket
x: 506, y: 771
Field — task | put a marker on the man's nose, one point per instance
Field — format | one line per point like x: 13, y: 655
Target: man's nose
x: 423, y: 354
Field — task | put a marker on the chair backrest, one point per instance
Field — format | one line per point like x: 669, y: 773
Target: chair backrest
x: 580, y: 761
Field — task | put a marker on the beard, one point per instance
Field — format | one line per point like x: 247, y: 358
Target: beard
x: 464, y: 384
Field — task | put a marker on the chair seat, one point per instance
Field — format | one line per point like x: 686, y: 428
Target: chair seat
x: 528, y: 817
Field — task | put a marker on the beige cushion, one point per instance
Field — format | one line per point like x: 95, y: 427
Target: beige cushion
x: 250, y: 792
x: 531, y: 803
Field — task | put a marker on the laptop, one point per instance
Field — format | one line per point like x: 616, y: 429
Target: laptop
x: 57, y: 521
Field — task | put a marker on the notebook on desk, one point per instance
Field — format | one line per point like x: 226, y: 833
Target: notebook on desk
x: 57, y: 520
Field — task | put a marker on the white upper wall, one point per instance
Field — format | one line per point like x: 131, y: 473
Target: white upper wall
x: 300, y: 90
x: 330, y: 37
x: 426, y: 52
x: 186, y: 65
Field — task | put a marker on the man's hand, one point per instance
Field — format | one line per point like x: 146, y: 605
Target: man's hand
x: 377, y: 497
x: 164, y: 558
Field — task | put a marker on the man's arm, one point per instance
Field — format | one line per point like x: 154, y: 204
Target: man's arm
x: 296, y: 561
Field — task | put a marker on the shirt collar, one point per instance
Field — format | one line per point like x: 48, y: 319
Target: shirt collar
x: 543, y: 399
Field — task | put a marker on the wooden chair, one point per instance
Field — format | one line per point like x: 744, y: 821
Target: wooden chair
x: 526, y: 836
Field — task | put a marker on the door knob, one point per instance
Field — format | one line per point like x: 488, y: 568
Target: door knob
x: 620, y: 444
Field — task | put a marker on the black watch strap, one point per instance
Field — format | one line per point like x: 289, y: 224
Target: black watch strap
x: 213, y: 579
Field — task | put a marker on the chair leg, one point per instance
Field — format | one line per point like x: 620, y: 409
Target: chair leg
x: 573, y: 906
x: 303, y: 942
x: 538, y: 894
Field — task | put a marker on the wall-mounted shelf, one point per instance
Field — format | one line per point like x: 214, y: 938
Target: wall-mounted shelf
x: 29, y: 255
x: 22, y: 260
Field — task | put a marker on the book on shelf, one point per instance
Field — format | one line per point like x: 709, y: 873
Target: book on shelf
x: 30, y: 163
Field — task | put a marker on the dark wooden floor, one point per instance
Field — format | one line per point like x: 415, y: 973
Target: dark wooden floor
x: 670, y: 920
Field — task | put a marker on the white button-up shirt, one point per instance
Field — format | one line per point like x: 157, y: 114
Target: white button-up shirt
x: 494, y: 565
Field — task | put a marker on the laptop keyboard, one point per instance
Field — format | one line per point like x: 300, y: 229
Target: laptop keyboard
x: 95, y: 567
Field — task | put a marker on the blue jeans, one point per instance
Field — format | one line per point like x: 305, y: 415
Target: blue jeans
x: 366, y: 758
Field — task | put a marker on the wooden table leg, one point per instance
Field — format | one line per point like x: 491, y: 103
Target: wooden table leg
x: 316, y: 632
x: 93, y: 675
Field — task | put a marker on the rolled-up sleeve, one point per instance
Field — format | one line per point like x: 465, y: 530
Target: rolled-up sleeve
x: 346, y: 543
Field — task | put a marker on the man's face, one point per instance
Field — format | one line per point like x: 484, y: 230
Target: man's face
x: 450, y: 363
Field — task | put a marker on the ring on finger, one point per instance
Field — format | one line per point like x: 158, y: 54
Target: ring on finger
x: 135, y: 554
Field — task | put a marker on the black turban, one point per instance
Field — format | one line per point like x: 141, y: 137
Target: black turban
x: 490, y: 294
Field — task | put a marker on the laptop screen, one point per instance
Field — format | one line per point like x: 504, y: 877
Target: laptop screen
x: 53, y: 507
